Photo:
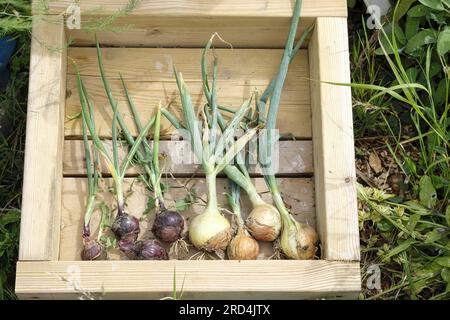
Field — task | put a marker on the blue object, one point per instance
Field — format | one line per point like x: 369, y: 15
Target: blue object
x: 7, y: 45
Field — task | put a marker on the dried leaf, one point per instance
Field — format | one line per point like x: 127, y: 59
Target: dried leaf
x: 375, y: 162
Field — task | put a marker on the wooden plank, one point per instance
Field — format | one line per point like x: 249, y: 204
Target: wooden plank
x: 298, y: 194
x: 160, y: 31
x: 295, y: 158
x: 41, y: 202
x: 287, y: 279
x: 207, y: 8
x: 149, y: 78
x: 334, y: 163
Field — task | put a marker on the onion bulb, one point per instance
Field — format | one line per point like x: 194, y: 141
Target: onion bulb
x: 298, y: 240
x: 264, y: 222
x: 243, y: 247
x: 126, y: 226
x: 210, y: 231
x: 92, y: 250
x: 168, y: 226
x: 152, y: 250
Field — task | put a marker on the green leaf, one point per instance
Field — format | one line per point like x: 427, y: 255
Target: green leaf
x: 351, y: 3
x: 445, y: 274
x: 418, y: 11
x: 443, y: 42
x: 447, y: 215
x: 432, y: 236
x: 427, y: 192
x: 411, y: 27
x: 402, y: 8
x: 421, y: 39
x: 182, y: 205
x: 443, y: 261
x: 413, y: 219
x: 400, y: 248
x: 433, y: 4
x: 440, y: 94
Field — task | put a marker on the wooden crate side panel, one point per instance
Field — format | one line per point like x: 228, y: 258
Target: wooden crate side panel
x: 208, y: 8
x: 149, y: 78
x: 177, y: 158
x: 160, y: 31
x: 41, y: 203
x: 334, y: 164
x: 202, y: 279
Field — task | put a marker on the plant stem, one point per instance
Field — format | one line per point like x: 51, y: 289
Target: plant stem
x: 211, y: 207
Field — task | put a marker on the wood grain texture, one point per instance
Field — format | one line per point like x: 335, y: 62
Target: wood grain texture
x: 160, y: 31
x: 334, y: 163
x: 149, y: 79
x: 202, y: 279
x: 208, y: 8
x: 298, y: 194
x: 41, y: 202
x: 295, y: 158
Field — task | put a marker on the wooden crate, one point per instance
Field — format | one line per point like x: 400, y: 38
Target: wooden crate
x: 317, y: 176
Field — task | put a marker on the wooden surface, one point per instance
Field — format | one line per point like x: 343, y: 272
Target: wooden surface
x: 149, y: 78
x: 334, y: 163
x: 208, y: 8
x: 298, y: 194
x: 160, y: 31
x: 41, y: 201
x: 287, y: 279
x: 295, y: 159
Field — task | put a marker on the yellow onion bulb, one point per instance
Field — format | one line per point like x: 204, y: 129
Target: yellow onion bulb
x: 264, y: 222
x: 210, y: 231
x: 298, y: 240
x: 243, y: 247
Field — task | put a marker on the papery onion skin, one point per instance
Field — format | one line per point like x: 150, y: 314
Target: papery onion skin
x: 264, y: 222
x: 210, y: 231
x: 243, y: 247
x: 126, y: 227
x: 168, y: 226
x: 132, y: 250
x: 152, y: 250
x: 299, y: 241
x: 92, y: 250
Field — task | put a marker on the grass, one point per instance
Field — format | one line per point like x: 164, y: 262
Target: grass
x: 401, y: 139
x: 400, y: 94
x: 13, y: 102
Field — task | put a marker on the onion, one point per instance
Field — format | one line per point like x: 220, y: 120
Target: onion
x: 168, y: 226
x: 210, y: 231
x: 125, y: 226
x: 152, y: 250
x: 298, y: 240
x: 92, y: 250
x: 264, y: 222
x: 131, y: 249
x: 243, y: 247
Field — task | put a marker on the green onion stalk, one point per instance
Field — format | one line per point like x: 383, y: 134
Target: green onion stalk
x: 125, y: 226
x: 92, y: 249
x: 263, y: 221
x: 169, y: 225
x: 297, y: 240
x: 242, y: 246
x: 210, y: 231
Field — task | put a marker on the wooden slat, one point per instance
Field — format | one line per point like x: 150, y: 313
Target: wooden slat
x: 298, y: 194
x: 149, y: 79
x: 202, y: 279
x: 207, y: 8
x: 295, y: 158
x: 334, y: 163
x: 160, y: 31
x: 41, y: 202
